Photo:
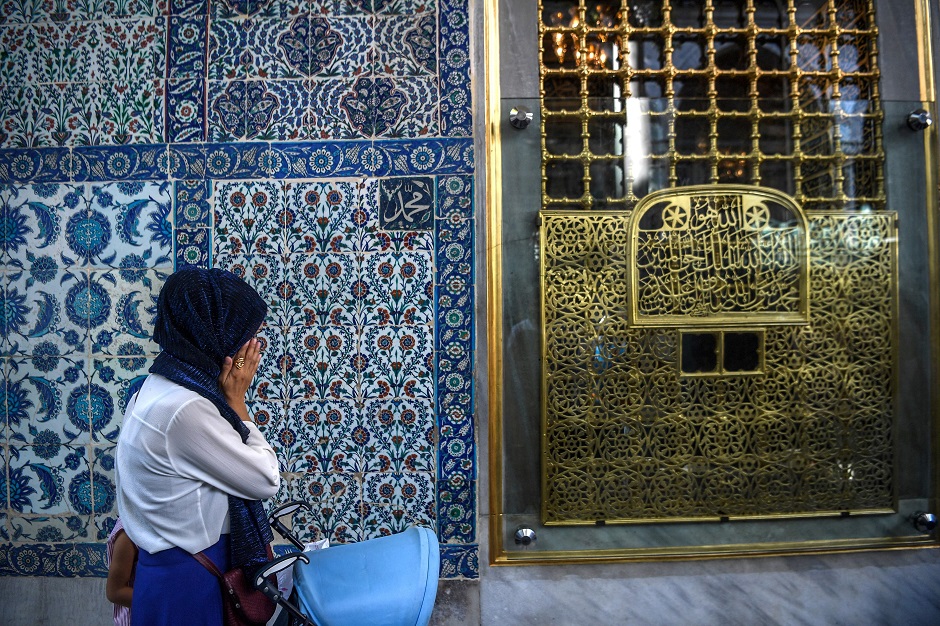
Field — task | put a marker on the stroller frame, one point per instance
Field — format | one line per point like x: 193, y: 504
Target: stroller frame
x: 390, y: 580
x: 265, y: 577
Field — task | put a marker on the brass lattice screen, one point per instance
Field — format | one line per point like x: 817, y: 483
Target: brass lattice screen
x: 718, y: 268
x: 634, y: 430
x: 644, y: 95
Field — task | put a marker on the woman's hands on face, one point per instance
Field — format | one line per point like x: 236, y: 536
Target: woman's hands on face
x: 234, y: 382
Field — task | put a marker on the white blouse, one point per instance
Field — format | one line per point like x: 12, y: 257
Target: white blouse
x: 178, y: 460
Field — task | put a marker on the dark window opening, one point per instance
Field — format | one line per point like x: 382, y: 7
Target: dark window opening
x: 741, y: 352
x: 719, y: 352
x: 699, y: 353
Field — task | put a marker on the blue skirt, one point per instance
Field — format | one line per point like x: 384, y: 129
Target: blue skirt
x: 173, y: 588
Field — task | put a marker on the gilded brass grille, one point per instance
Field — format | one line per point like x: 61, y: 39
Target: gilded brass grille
x: 642, y: 95
x: 627, y: 437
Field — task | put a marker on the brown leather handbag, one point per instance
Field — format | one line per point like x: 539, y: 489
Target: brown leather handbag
x: 242, y: 603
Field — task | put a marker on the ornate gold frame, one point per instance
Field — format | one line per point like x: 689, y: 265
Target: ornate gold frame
x: 498, y: 553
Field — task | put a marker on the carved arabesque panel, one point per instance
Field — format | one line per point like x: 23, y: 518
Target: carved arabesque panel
x: 627, y: 436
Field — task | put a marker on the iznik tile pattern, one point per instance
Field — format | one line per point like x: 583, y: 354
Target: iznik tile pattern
x: 82, y: 266
x: 321, y: 149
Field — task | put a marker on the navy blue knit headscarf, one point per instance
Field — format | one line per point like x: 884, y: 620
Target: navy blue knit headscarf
x: 204, y: 316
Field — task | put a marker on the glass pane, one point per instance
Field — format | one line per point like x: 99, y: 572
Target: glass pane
x: 621, y: 406
x: 701, y: 315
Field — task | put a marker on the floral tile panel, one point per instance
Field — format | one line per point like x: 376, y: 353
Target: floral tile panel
x: 17, y: 59
x: 236, y: 161
x: 326, y: 427
x: 454, y: 54
x: 65, y: 11
x: 271, y: 383
x: 460, y: 561
x: 38, y: 317
x: 337, y: 437
x: 246, y: 217
x: 326, y: 117
x: 107, y: 312
x: 113, y: 383
x: 37, y: 115
x: 406, y: 428
x: 51, y: 480
x: 37, y: 392
x: 337, y: 512
x: 457, y: 510
x: 377, y: 106
x: 185, y: 111
x: 50, y: 52
x: 119, y: 163
x: 325, y: 285
x: 65, y: 52
x: 104, y: 82
x: 336, y: 47
x: 400, y: 292
x: 129, y: 49
x: 324, y: 356
x: 226, y: 114
x: 280, y: 113
x: 395, y: 7
x: 406, y: 45
x: 187, y: 50
x: 237, y: 9
x: 324, y: 217
x: 191, y: 208
x: 119, y: 225
x: 51, y: 528
x: 193, y: 248
x: 125, y: 329
x: 393, y: 502
x: 227, y: 40
x: 302, y: 47
x: 401, y: 361
x: 187, y: 7
x: 32, y: 223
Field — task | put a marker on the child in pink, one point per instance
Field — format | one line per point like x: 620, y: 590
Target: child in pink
x: 122, y: 561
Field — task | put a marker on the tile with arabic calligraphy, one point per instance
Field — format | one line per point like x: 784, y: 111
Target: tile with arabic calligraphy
x: 406, y: 203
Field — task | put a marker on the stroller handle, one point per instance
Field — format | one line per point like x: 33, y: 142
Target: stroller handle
x: 273, y: 567
x: 288, y: 508
x: 264, y: 578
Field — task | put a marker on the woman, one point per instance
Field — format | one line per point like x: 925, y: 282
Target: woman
x: 191, y: 465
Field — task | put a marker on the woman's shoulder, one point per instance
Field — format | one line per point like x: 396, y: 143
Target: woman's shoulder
x: 160, y: 389
x: 160, y: 396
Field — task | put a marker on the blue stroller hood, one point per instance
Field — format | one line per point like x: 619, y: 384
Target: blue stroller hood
x: 387, y: 581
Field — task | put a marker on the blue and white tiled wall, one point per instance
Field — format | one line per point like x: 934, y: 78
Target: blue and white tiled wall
x: 320, y: 148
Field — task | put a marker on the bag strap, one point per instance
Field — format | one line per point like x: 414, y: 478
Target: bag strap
x: 207, y: 563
